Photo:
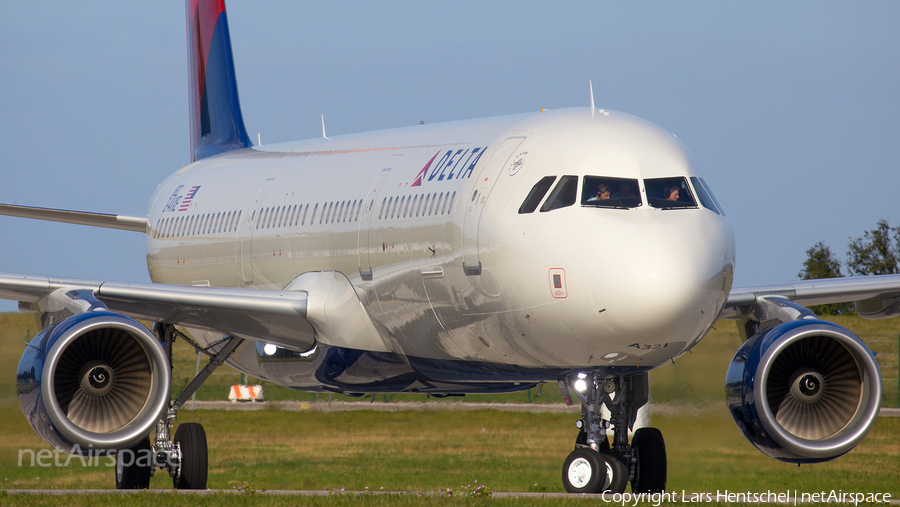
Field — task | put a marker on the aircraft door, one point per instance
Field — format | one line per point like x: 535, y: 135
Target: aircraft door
x: 365, y: 225
x: 247, y: 231
x: 490, y: 172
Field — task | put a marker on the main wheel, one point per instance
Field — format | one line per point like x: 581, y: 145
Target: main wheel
x: 194, y: 457
x: 133, y: 466
x: 584, y: 471
x: 616, y: 474
x: 650, y: 449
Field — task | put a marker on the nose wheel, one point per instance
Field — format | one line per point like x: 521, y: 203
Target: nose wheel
x: 595, y: 466
x: 584, y: 471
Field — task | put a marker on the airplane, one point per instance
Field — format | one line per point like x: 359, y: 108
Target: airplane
x: 579, y: 246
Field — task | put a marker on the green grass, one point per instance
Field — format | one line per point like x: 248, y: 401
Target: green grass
x: 427, y: 451
x: 154, y: 500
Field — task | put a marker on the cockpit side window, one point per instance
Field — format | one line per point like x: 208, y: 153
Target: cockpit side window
x: 669, y: 193
x: 605, y: 192
x: 712, y: 195
x: 564, y: 194
x: 538, y: 191
x: 703, y: 196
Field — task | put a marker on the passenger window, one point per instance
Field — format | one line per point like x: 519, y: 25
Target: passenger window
x: 563, y: 195
x: 669, y: 193
x: 452, y: 201
x: 605, y: 192
x: 538, y: 191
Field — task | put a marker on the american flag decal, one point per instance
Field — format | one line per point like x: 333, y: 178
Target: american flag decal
x: 186, y: 202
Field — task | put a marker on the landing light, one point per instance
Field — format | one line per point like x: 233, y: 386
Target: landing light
x: 270, y: 349
x: 580, y: 385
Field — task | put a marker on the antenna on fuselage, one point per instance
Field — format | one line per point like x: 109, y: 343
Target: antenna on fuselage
x: 323, y: 128
x: 591, y: 87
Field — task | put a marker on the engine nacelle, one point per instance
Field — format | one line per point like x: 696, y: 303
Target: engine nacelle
x: 97, y: 379
x: 805, y: 391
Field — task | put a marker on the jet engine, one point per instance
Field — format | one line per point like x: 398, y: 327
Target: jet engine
x: 804, y: 391
x: 98, y: 380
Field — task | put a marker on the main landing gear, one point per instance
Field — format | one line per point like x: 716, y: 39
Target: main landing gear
x: 596, y: 466
x: 184, y: 458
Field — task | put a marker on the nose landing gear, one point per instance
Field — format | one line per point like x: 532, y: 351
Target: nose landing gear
x: 596, y: 466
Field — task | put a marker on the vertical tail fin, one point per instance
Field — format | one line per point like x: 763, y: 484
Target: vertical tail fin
x: 216, y: 122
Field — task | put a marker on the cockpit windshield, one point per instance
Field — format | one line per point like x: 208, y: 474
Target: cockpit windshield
x: 606, y: 192
x: 669, y: 193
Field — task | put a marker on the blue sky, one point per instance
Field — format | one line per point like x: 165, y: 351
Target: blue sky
x: 791, y: 108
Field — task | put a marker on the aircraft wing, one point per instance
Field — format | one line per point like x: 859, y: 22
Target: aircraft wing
x: 876, y: 297
x: 135, y: 223
x: 317, y: 306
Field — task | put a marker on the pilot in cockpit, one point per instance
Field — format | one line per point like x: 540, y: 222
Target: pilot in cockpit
x: 603, y: 192
x: 671, y: 193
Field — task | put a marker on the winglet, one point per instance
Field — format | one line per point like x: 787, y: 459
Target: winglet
x: 217, y: 125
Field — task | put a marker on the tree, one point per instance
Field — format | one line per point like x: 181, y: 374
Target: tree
x: 875, y: 253
x: 821, y: 263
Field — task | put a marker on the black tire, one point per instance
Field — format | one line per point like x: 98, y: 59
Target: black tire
x: 584, y: 471
x: 650, y: 450
x: 616, y: 474
x: 194, y: 457
x: 133, y: 466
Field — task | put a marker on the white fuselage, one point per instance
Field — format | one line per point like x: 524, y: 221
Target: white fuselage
x: 640, y: 286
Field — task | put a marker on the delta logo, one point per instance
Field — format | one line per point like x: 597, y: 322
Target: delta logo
x: 451, y: 166
x: 181, y: 202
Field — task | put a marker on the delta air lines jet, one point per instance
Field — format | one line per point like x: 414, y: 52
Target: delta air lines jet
x: 578, y: 246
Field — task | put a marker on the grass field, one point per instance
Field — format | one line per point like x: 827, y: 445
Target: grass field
x: 428, y: 451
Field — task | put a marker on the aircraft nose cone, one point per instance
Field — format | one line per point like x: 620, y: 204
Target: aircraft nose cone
x: 664, y: 282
